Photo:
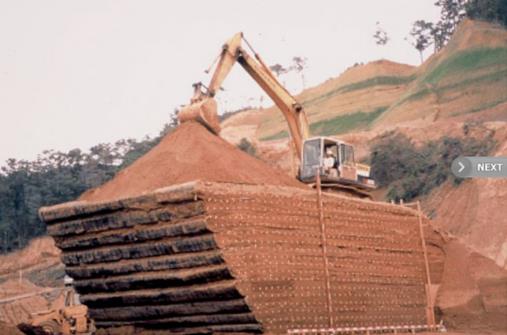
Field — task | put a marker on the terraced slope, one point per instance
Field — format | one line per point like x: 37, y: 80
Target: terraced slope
x: 351, y: 101
x: 468, y: 76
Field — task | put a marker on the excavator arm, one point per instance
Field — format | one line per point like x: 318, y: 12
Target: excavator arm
x: 203, y: 107
x: 347, y: 176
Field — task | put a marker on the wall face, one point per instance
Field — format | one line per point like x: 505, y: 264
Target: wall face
x: 237, y: 258
x: 149, y: 263
x: 272, y: 242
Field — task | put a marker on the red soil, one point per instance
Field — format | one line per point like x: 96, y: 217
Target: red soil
x: 189, y: 153
x: 7, y: 329
x: 472, y: 294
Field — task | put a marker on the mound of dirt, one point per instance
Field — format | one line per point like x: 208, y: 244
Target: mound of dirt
x: 473, y: 292
x: 189, y: 153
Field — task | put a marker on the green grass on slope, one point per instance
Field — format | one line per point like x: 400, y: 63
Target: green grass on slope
x: 337, y: 125
x: 485, y: 106
x: 467, y: 61
x: 463, y: 63
x: 375, y: 81
x: 489, y: 78
x: 344, y: 123
x: 277, y: 136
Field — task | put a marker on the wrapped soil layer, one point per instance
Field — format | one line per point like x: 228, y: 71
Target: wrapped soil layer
x: 203, y: 257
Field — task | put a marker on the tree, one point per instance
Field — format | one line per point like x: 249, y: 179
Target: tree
x: 424, y: 33
x: 421, y: 36
x: 409, y: 171
x: 299, y: 64
x: 451, y: 14
x: 487, y: 10
x: 247, y: 146
x: 278, y: 69
x: 380, y: 36
x: 56, y: 177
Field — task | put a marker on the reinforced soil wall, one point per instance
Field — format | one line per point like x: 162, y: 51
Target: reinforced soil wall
x: 215, y: 257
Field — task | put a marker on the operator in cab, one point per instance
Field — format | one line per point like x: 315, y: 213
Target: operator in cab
x: 330, y: 163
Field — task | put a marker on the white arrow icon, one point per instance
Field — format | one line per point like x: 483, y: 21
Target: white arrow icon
x: 461, y: 167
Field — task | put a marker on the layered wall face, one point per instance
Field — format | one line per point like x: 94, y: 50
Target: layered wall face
x: 204, y: 257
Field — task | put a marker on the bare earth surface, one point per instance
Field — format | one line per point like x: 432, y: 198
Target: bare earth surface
x: 191, y: 152
x: 29, y: 280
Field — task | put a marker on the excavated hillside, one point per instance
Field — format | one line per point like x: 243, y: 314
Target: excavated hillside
x: 475, y: 210
x: 30, y: 281
x: 472, y: 295
x: 351, y: 101
x: 468, y: 76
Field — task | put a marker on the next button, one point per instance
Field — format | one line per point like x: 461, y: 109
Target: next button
x: 480, y: 167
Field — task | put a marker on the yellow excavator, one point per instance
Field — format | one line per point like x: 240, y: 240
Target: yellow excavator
x: 329, y: 157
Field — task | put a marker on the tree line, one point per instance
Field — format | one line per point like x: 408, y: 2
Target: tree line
x: 56, y: 177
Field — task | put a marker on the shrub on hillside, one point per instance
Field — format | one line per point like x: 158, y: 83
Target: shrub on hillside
x: 410, y: 171
x: 247, y: 146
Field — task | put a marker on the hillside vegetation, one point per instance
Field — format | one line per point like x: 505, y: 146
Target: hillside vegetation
x: 410, y: 171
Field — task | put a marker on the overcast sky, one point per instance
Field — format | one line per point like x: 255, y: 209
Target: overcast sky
x: 77, y: 73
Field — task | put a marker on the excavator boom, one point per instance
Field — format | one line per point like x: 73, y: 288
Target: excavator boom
x: 203, y: 107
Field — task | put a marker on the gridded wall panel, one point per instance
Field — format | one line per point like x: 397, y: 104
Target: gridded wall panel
x: 211, y: 257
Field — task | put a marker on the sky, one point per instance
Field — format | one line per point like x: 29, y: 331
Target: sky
x: 77, y: 73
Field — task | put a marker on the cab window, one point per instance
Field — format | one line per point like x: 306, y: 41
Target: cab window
x: 346, y: 154
x: 311, y: 153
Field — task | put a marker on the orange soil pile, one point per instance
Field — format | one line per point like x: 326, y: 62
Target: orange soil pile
x: 189, y: 153
x: 473, y: 291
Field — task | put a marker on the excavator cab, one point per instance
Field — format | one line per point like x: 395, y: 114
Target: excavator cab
x: 335, y: 162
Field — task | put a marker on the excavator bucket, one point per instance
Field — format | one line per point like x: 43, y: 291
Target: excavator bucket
x: 204, y: 112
